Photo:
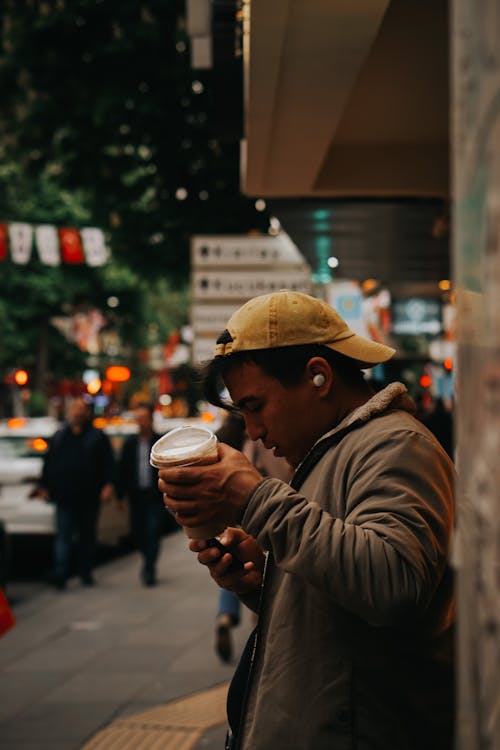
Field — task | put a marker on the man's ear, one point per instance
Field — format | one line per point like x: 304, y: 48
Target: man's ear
x: 320, y: 374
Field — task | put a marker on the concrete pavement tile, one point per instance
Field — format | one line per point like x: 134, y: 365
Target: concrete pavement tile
x: 30, y: 637
x: 202, y: 652
x: 57, y: 722
x: 19, y: 690
x: 123, y: 659
x: 85, y: 689
x: 170, y: 687
x: 69, y: 651
x: 180, y: 633
x: 24, y: 638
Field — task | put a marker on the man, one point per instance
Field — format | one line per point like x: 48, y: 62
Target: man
x: 77, y: 476
x: 347, y: 567
x: 138, y: 481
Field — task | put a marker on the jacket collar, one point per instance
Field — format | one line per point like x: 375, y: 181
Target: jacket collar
x: 393, y: 396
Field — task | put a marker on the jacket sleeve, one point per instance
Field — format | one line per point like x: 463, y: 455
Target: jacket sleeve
x: 384, y: 559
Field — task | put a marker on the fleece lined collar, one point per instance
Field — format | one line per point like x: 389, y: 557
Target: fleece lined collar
x: 393, y: 396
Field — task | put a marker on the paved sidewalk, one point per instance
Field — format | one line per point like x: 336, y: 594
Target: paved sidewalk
x: 118, y: 665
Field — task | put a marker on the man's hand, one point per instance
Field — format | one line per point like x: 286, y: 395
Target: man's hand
x: 198, y: 495
x: 243, y: 547
x: 39, y: 493
x: 106, y: 493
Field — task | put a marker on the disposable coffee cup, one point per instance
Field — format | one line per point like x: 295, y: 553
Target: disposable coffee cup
x: 188, y: 446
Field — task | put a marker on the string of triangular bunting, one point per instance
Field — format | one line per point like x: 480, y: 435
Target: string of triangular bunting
x: 55, y: 245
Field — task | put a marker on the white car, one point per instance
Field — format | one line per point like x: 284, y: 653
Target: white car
x: 22, y: 445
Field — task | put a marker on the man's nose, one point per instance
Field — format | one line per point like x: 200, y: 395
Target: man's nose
x: 255, y: 429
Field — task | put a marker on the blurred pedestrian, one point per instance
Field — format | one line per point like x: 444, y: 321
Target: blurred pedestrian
x: 77, y: 476
x: 138, y: 483
x: 348, y: 565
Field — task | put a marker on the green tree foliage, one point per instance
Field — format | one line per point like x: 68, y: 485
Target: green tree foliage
x: 102, y: 122
x: 100, y: 95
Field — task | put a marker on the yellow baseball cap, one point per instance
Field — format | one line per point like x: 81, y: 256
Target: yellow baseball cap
x: 287, y: 318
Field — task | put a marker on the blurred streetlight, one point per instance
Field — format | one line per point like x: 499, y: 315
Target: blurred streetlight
x: 21, y: 377
x: 117, y: 374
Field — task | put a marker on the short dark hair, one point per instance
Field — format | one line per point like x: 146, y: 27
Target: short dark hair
x: 286, y: 364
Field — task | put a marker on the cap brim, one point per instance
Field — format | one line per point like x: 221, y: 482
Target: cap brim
x: 365, y: 352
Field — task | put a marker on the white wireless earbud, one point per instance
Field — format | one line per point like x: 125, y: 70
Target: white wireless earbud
x: 319, y: 380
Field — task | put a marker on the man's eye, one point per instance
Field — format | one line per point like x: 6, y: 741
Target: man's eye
x: 254, y: 407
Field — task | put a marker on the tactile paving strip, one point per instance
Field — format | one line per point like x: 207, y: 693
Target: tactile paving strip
x: 173, y: 726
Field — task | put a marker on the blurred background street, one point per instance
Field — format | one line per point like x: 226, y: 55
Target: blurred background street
x: 156, y: 172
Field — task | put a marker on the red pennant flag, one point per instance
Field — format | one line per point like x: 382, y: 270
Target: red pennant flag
x: 4, y: 241
x: 71, y: 246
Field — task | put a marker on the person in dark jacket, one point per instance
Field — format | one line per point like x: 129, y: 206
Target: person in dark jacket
x: 77, y: 476
x: 138, y: 482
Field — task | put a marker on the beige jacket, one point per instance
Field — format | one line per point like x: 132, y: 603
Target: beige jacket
x: 354, y: 649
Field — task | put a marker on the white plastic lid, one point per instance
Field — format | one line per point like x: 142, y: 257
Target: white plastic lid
x: 183, y: 444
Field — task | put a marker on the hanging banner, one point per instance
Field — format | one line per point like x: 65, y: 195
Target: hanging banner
x: 47, y: 242
x: 94, y: 246
x: 54, y: 245
x: 71, y: 246
x: 20, y: 242
x: 4, y: 241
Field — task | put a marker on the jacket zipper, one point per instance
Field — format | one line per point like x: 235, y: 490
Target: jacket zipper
x: 251, y: 671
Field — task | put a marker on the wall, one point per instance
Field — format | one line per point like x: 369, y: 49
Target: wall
x: 476, y: 188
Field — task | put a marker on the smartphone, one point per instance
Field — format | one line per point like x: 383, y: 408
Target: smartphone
x: 213, y: 542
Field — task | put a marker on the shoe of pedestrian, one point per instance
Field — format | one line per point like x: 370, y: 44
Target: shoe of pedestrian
x: 223, y: 638
x: 59, y: 582
x: 149, y: 579
x: 88, y: 580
